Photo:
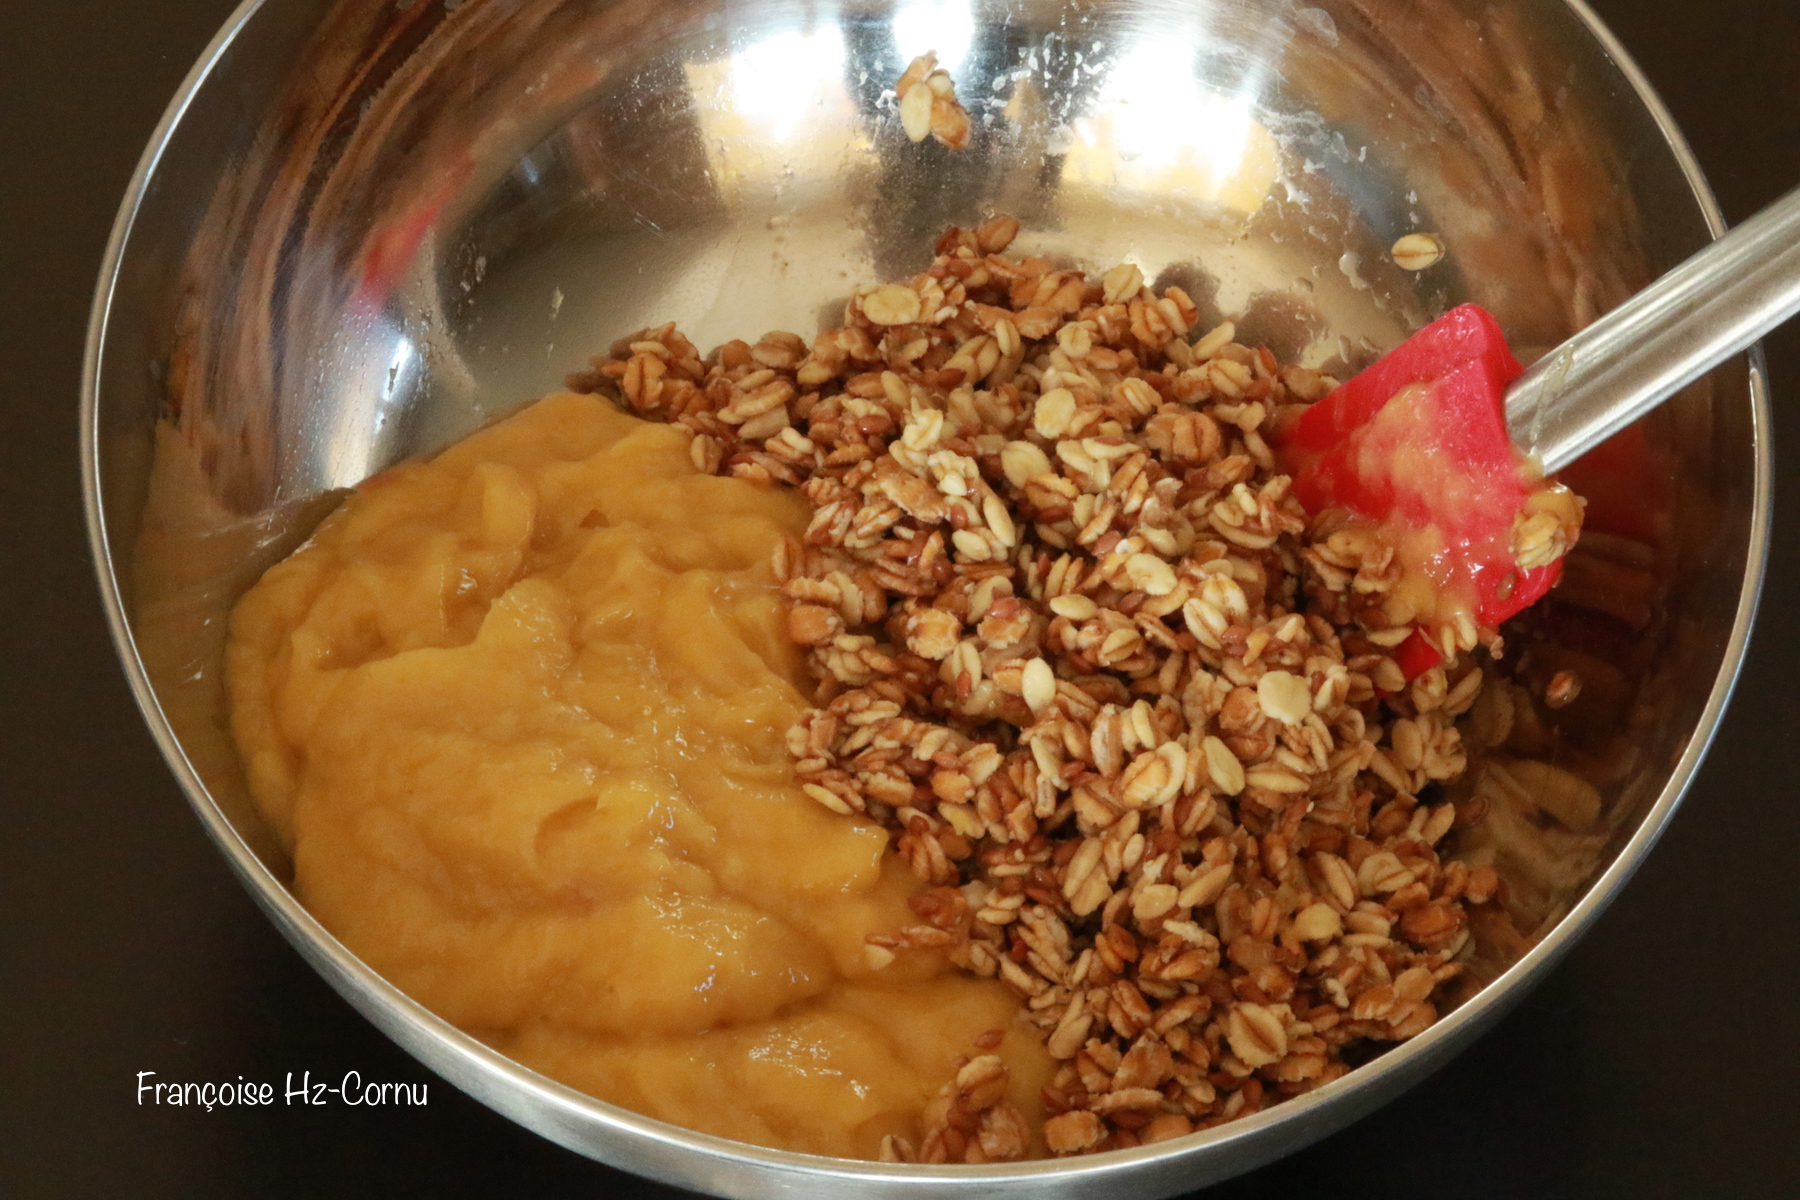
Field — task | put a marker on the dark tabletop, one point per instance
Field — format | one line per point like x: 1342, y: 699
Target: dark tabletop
x: 1659, y: 1060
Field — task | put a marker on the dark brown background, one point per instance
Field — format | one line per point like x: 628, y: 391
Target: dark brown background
x: 1660, y: 1060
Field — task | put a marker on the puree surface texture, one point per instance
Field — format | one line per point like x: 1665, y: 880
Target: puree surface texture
x: 518, y: 713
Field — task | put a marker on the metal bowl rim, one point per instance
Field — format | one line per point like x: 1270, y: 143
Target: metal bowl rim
x: 302, y: 929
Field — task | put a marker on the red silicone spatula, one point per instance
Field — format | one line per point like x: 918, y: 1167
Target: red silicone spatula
x: 1440, y: 440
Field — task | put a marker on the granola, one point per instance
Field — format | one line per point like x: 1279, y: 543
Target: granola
x: 928, y: 104
x: 1129, y: 715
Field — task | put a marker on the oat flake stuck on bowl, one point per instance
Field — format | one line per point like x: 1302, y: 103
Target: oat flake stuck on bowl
x: 928, y: 104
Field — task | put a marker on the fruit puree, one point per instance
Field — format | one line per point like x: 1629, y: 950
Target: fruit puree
x: 518, y: 713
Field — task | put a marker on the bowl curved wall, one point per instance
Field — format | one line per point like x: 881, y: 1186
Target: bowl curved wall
x: 363, y: 230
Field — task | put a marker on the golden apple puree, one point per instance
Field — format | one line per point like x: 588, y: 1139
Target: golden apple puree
x: 518, y: 713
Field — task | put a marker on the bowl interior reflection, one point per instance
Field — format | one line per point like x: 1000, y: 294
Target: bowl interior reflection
x: 441, y: 210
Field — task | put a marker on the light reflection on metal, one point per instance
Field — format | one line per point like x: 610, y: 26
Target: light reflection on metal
x: 1160, y: 128
x: 943, y: 27
x: 776, y: 81
x: 735, y: 164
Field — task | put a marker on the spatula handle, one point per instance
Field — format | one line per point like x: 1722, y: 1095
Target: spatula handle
x: 1641, y: 353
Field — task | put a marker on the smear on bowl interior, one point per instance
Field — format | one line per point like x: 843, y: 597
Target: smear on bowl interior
x: 944, y: 740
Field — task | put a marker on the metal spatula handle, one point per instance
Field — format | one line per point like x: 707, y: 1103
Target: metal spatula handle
x: 1710, y: 307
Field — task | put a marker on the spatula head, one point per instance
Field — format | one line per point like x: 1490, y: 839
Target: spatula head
x: 1416, y: 449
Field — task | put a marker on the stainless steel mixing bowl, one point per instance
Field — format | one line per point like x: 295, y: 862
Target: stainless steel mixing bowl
x: 363, y: 229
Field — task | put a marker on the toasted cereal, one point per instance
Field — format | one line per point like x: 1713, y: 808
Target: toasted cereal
x: 1417, y: 251
x: 928, y: 104
x: 1130, y: 716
